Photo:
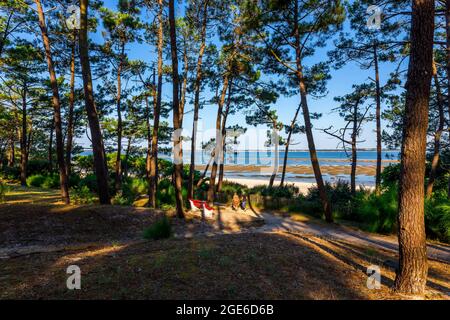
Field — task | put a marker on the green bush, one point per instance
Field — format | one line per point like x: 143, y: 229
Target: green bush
x: 35, y: 180
x: 51, y: 182
x: 10, y: 173
x: 233, y: 187
x: 82, y: 195
x: 121, y: 200
x: 378, y: 212
x: 390, y: 175
x: 38, y: 166
x: 287, y: 191
x: 166, y: 193
x: 3, y: 190
x: 161, y: 229
x: 90, y: 181
x: 437, y: 217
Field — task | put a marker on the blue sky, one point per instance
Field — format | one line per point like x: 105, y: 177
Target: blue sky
x: 340, y: 84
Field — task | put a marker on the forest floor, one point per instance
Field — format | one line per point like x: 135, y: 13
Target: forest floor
x: 286, y: 258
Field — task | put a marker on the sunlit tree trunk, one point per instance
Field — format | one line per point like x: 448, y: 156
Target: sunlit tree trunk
x: 413, y: 266
x: 197, y: 87
x: 23, y: 139
x: 437, y: 134
x: 378, y: 119
x: 447, y: 27
x: 224, y: 135
x: 12, y: 153
x: 70, y: 121
x: 308, y: 126
x: 177, y: 114
x: 56, y: 108
x: 50, y: 147
x: 288, y: 143
x: 354, y: 150
x: 101, y: 170
x: 153, y: 183
x: 218, y: 152
x: 118, y: 169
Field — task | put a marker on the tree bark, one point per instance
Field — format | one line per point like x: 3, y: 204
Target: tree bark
x: 378, y: 120
x: 197, y: 87
x: 288, y: 143
x: 70, y: 121
x: 308, y: 127
x: 447, y: 28
x: 50, y: 147
x: 23, y: 140
x: 224, y: 136
x: 413, y: 265
x: 118, y: 168
x: 437, y: 134
x: 177, y: 115
x: 101, y: 169
x: 127, y: 156
x: 153, y: 181
x: 354, y: 150
x: 218, y: 149
x: 12, y: 153
x: 64, y: 183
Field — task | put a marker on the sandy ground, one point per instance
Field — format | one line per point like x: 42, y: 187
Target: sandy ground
x: 303, y: 186
x: 368, y: 170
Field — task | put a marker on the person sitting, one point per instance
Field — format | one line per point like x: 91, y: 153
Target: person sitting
x: 244, y: 203
x: 236, y: 202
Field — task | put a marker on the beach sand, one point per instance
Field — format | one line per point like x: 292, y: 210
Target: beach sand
x: 303, y: 186
x: 368, y: 170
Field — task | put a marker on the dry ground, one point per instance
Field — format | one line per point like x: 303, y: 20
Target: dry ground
x: 106, y: 243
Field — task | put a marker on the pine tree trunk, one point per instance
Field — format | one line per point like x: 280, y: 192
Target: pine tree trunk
x: 447, y: 28
x: 224, y: 135
x: 118, y: 168
x: 437, y: 134
x: 288, y: 143
x: 218, y: 149
x: 127, y: 156
x: 378, y: 120
x: 177, y: 115
x: 413, y: 265
x: 50, y: 147
x: 153, y: 183
x: 64, y: 183
x: 101, y: 170
x: 23, y: 140
x: 308, y: 126
x: 70, y: 121
x: 12, y: 153
x: 197, y: 87
x: 354, y: 151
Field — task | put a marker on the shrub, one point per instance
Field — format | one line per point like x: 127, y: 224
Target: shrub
x: 120, y: 200
x: 35, y: 180
x: 437, y: 217
x: 161, y: 229
x: 51, y: 182
x: 3, y: 190
x: 166, y: 193
x: 378, y: 212
x: 390, y: 175
x: 287, y: 191
x: 233, y: 187
x: 10, y: 173
x: 90, y: 181
x: 37, y: 166
x: 82, y: 195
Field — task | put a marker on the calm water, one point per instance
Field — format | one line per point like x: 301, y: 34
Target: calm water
x: 295, y: 158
